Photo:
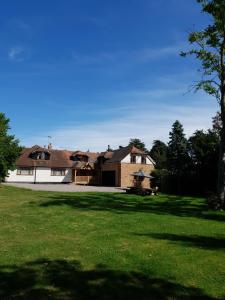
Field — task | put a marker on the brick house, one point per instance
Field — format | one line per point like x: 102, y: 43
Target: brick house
x: 109, y: 168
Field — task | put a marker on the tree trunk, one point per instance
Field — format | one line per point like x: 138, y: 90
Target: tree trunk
x: 221, y: 164
x: 221, y: 170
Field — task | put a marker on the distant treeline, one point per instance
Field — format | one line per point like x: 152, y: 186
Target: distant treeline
x: 187, y: 166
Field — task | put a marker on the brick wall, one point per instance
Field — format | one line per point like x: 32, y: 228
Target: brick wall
x: 127, y: 169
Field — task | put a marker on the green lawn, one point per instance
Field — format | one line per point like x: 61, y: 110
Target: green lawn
x: 109, y: 246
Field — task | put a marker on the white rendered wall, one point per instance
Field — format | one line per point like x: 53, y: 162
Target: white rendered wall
x: 42, y: 175
x: 13, y: 177
x: 138, y: 160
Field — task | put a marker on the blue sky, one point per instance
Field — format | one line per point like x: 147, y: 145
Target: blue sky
x: 92, y: 73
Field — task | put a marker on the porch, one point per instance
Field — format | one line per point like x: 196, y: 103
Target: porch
x: 85, y: 177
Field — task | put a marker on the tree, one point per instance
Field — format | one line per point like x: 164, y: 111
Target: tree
x: 217, y: 124
x: 9, y: 148
x: 202, y: 145
x: 210, y: 51
x: 177, y: 149
x: 204, y: 150
x: 159, y: 154
x: 137, y: 143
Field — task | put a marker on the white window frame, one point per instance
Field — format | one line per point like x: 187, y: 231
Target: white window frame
x: 58, y: 171
x: 28, y: 171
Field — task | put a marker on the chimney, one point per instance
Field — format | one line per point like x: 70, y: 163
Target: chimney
x: 50, y: 146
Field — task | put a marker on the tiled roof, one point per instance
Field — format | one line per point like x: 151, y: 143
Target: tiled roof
x: 106, y: 154
x: 121, y: 153
x: 62, y: 158
x: 92, y: 155
x: 58, y: 158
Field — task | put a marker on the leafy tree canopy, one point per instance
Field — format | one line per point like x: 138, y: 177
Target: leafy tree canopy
x: 204, y: 148
x: 159, y: 154
x: 137, y: 143
x: 217, y: 124
x: 9, y: 148
x: 209, y: 49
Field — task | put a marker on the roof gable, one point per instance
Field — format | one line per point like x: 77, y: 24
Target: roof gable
x: 121, y: 153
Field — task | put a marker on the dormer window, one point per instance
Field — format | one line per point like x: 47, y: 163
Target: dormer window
x: 83, y: 158
x: 133, y: 159
x: 40, y: 155
x: 143, y: 159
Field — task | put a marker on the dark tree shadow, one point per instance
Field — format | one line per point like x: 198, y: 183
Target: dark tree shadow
x: 204, y: 242
x: 60, y: 279
x: 123, y: 203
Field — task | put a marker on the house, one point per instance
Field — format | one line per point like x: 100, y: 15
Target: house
x: 109, y: 168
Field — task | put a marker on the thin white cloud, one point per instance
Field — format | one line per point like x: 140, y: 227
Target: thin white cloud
x: 17, y: 53
x: 101, y: 57
x: 25, y: 27
x: 136, y: 56
x: 150, y: 54
x: 142, y: 119
x: 20, y: 26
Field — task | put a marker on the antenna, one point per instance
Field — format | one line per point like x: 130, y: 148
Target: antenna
x: 49, y: 142
x: 49, y: 139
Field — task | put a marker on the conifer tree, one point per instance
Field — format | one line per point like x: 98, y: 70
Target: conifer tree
x: 177, y: 149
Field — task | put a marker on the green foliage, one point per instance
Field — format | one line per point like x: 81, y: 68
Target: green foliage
x: 159, y: 175
x: 204, y: 149
x: 137, y: 143
x: 210, y: 51
x: 177, y: 149
x: 204, y: 153
x: 217, y: 124
x: 9, y: 148
x: 191, y: 166
x: 159, y: 154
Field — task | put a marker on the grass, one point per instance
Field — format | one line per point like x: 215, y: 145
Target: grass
x: 109, y: 246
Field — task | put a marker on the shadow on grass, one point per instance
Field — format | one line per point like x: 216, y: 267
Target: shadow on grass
x: 60, y: 279
x: 123, y: 203
x: 204, y: 242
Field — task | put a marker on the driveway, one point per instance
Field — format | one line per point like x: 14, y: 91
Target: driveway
x: 66, y: 187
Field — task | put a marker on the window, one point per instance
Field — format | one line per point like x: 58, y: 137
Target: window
x: 24, y: 171
x: 143, y: 160
x: 133, y: 159
x: 83, y: 158
x: 40, y: 155
x: 58, y: 172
